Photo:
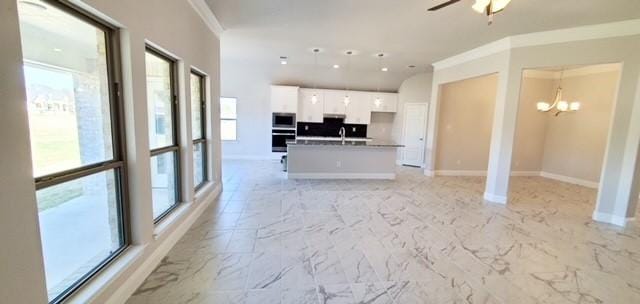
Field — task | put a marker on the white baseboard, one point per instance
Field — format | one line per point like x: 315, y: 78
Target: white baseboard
x: 495, y: 198
x: 612, y: 219
x: 525, y: 173
x: 341, y: 175
x: 460, y: 173
x: 570, y: 180
x: 154, y: 258
x: 481, y: 173
x: 429, y: 173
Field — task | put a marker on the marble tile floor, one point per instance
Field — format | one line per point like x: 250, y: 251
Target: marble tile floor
x: 413, y: 240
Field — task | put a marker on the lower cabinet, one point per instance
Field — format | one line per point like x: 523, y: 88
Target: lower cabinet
x: 310, y: 105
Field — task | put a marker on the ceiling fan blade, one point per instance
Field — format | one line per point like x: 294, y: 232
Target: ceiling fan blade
x: 442, y: 5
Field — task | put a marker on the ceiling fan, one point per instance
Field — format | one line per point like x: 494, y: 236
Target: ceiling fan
x: 489, y: 7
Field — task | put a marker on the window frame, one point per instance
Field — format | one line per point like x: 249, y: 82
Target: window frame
x: 118, y: 162
x: 203, y: 126
x: 175, y: 125
x: 230, y: 119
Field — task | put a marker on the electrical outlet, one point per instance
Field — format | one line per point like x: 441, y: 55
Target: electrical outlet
x: 306, y: 128
x: 338, y: 164
x: 354, y: 129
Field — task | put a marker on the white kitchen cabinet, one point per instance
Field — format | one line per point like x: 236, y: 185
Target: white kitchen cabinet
x: 388, y: 102
x: 359, y: 109
x: 284, y: 99
x: 309, y: 111
x: 334, y: 102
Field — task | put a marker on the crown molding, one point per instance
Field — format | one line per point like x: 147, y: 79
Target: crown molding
x: 207, y: 16
x: 587, y: 32
x: 491, y: 48
x: 575, y: 72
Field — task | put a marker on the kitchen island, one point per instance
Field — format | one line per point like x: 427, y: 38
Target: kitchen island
x: 337, y: 159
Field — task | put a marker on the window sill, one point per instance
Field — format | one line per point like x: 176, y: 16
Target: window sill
x: 102, y: 280
x: 169, y: 220
x: 204, y: 191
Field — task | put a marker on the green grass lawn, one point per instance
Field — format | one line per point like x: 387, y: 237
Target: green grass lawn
x: 54, y: 141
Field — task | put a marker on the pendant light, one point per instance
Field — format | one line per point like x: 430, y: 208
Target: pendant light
x: 347, y: 99
x: 559, y: 104
x: 314, y: 97
x: 378, y: 100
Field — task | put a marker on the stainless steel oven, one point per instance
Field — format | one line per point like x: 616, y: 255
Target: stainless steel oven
x: 279, y: 139
x: 283, y: 120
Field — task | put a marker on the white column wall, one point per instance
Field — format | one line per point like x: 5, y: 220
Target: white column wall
x: 21, y: 266
x: 190, y: 40
x: 502, y: 135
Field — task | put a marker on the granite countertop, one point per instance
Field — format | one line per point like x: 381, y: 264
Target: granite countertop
x: 358, y: 143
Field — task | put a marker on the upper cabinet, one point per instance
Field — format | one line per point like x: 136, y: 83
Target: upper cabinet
x: 284, y: 99
x: 383, y: 102
x: 334, y: 102
x: 311, y: 109
x: 358, y: 111
x: 331, y: 102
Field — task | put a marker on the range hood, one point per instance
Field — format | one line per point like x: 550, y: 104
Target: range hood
x: 335, y: 116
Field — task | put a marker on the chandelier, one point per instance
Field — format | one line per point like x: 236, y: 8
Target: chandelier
x: 560, y: 105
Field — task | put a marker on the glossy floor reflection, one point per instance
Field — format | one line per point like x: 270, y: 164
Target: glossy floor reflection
x: 412, y: 240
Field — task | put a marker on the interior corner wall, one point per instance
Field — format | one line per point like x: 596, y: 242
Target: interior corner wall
x: 251, y: 87
x: 529, y: 144
x: 575, y: 143
x: 465, y: 123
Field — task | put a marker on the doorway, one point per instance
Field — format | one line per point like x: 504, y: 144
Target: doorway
x: 414, y: 134
x: 563, y: 123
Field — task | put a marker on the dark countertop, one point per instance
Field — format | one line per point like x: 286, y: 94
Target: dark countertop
x: 372, y: 143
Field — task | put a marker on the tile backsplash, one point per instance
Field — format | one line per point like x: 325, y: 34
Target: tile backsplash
x: 330, y: 127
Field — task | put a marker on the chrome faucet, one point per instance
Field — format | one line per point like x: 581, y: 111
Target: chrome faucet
x: 342, y: 134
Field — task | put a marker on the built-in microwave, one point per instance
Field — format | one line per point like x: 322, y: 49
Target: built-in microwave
x: 284, y: 120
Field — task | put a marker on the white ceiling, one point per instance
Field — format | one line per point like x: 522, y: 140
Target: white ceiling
x: 257, y: 32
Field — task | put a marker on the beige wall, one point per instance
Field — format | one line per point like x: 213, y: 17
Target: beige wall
x: 570, y: 145
x: 465, y: 120
x: 531, y: 128
x: 575, y: 142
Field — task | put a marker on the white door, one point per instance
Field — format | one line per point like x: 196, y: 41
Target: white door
x: 414, y: 132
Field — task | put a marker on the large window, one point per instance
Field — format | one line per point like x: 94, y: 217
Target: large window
x: 76, y: 141
x: 198, y: 129
x: 228, y: 118
x: 163, y: 132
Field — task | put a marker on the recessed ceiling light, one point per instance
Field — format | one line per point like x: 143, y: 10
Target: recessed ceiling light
x: 57, y: 50
x: 336, y: 66
x: 384, y: 69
